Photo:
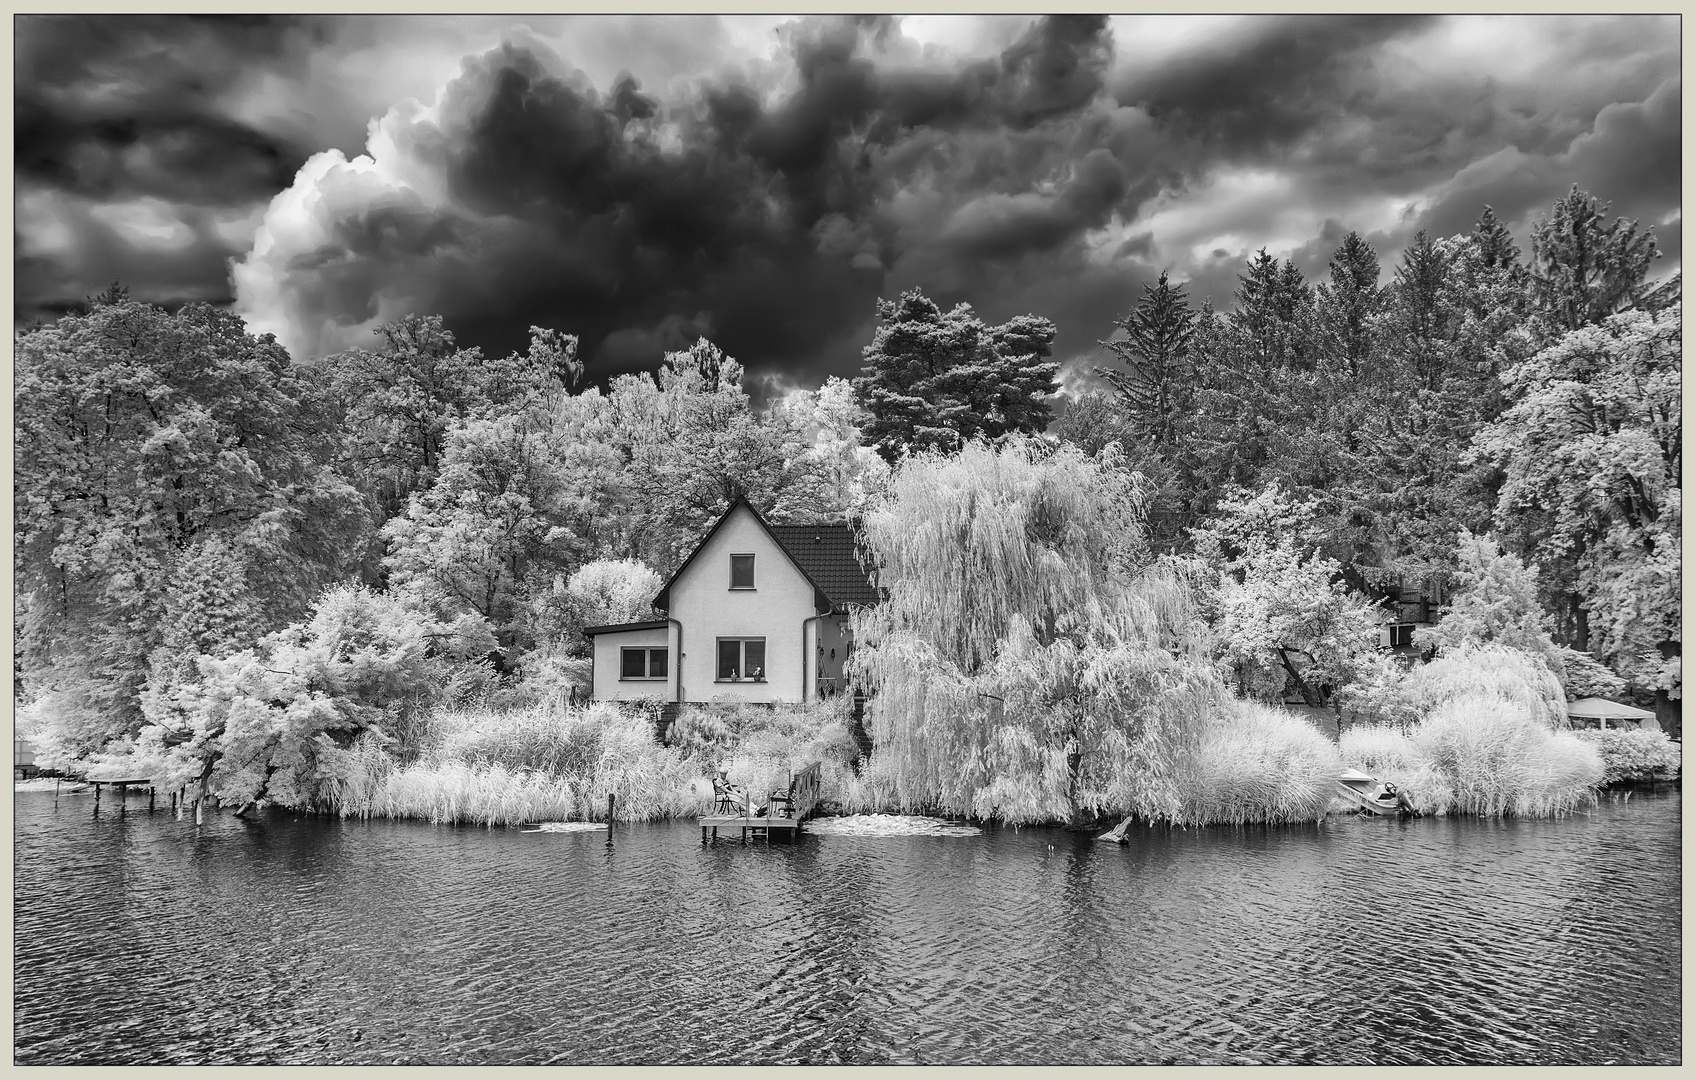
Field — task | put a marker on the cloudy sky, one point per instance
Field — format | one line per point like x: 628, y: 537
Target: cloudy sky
x: 762, y: 180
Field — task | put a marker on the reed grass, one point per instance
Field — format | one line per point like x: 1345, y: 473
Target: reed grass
x: 543, y: 762
x: 1484, y: 754
x: 1255, y: 763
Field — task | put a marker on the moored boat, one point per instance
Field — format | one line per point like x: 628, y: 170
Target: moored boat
x: 1372, y: 794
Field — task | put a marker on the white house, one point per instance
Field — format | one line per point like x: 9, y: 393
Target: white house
x: 757, y: 613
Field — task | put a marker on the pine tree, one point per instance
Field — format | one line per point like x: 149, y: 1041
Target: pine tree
x: 935, y: 380
x: 1582, y: 270
x: 1158, y: 379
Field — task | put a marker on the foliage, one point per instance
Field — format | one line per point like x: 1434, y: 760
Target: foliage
x: 1479, y: 754
x: 273, y: 721
x: 830, y: 422
x: 1585, y: 676
x: 693, y: 444
x: 1255, y: 763
x: 935, y: 381
x: 1494, y: 600
x: 1497, y: 758
x: 1591, y: 453
x: 1492, y: 670
x: 503, y: 516
x: 1380, y: 693
x: 1280, y: 616
x: 1582, y: 271
x: 170, y: 491
x: 397, y: 404
x: 1090, y: 422
x: 1157, y: 381
x: 613, y: 591
x: 1635, y: 753
x: 1029, y: 663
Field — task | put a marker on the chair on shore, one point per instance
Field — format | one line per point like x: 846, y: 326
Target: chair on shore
x: 728, y: 798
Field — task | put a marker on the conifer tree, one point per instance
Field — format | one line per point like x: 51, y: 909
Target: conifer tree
x: 935, y: 381
x: 1583, y: 270
x: 1158, y: 379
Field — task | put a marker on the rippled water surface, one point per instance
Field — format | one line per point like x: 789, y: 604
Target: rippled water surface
x: 145, y: 939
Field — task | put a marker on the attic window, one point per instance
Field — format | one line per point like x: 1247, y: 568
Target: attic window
x: 741, y: 571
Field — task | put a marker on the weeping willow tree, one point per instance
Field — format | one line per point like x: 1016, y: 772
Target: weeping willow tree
x: 1032, y: 662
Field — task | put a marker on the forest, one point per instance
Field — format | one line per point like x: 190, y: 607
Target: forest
x: 358, y: 584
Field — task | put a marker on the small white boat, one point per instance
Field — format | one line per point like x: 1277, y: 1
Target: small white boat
x: 1372, y: 795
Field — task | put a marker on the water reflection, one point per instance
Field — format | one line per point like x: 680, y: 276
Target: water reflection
x: 144, y: 938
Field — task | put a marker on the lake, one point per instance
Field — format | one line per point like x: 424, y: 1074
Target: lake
x: 140, y: 938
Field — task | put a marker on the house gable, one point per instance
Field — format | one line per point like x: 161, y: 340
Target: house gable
x: 663, y: 601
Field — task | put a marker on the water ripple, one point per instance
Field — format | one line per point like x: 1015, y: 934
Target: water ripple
x: 142, y: 938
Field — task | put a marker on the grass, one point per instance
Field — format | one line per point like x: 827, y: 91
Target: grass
x: 544, y: 762
x: 1483, y: 754
x: 1254, y: 764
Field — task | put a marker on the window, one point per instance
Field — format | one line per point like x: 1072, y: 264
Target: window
x: 741, y: 571
x: 741, y: 659
x: 1395, y: 634
x: 642, y: 664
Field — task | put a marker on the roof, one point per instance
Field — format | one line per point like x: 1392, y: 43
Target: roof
x: 823, y: 553
x: 826, y: 553
x: 1601, y: 708
x: 624, y: 627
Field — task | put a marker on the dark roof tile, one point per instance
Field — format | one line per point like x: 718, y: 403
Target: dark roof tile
x: 826, y: 553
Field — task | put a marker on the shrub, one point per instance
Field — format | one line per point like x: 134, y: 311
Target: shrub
x: 1256, y: 763
x: 1490, y: 670
x: 1635, y: 753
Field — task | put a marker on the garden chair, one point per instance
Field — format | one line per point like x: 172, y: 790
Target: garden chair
x: 728, y: 798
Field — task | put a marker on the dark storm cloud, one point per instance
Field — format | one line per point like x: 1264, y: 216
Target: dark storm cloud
x: 112, y: 110
x: 109, y: 107
x: 762, y: 223
x: 764, y: 189
x: 1257, y: 93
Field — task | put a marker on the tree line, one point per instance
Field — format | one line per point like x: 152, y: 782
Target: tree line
x: 184, y: 492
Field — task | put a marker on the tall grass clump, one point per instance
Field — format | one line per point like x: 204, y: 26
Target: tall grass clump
x: 1635, y: 754
x: 543, y: 762
x: 1255, y: 763
x: 1499, y: 758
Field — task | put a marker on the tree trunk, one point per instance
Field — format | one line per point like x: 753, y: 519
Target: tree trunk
x: 1308, y: 694
x: 1580, y: 623
x: 1667, y: 708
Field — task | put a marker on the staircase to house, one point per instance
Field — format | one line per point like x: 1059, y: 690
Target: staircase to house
x: 664, y: 718
x: 857, y: 728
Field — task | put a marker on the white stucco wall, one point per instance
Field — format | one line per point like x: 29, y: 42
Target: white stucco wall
x: 709, y: 609
x: 609, y: 687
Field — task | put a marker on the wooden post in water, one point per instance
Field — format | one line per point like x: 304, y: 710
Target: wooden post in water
x: 610, y: 798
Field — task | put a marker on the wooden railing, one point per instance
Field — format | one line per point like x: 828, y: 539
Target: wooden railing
x: 804, y: 790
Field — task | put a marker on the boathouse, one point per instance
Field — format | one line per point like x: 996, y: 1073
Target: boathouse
x: 756, y: 613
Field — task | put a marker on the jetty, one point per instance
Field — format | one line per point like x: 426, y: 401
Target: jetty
x: 123, y: 784
x: 783, y: 813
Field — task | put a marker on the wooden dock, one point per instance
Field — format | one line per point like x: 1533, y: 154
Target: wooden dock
x: 782, y: 816
x: 123, y: 784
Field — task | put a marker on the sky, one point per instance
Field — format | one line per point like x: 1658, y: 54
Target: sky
x: 762, y: 181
